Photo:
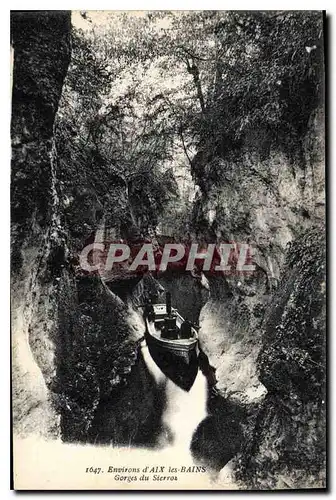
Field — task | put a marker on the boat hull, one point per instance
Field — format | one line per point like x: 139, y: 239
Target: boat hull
x: 178, y: 362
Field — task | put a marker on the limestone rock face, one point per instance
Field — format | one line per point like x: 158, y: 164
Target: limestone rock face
x: 266, y: 202
x: 41, y: 43
x: 291, y: 366
x: 265, y: 333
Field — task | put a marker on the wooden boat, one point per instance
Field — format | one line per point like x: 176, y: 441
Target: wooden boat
x: 172, y: 343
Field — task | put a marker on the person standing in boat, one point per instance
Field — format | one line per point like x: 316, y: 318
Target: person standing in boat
x: 149, y: 308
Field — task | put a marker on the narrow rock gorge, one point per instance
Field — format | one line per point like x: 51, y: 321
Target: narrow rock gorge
x: 221, y: 138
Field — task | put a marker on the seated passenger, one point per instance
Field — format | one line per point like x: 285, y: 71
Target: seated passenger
x: 186, y: 330
x: 170, y: 330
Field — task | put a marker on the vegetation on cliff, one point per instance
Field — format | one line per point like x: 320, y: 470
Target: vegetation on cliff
x: 149, y: 96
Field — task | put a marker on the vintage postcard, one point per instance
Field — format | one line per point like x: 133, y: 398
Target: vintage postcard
x: 168, y: 297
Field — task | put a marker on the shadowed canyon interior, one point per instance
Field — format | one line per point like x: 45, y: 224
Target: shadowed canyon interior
x: 82, y: 372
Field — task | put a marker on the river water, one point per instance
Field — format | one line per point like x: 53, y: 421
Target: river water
x: 183, y: 410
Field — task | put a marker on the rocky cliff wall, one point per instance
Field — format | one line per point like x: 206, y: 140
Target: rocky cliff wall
x: 41, y: 43
x: 287, y: 448
x: 266, y: 202
x: 74, y: 341
x: 257, y: 330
